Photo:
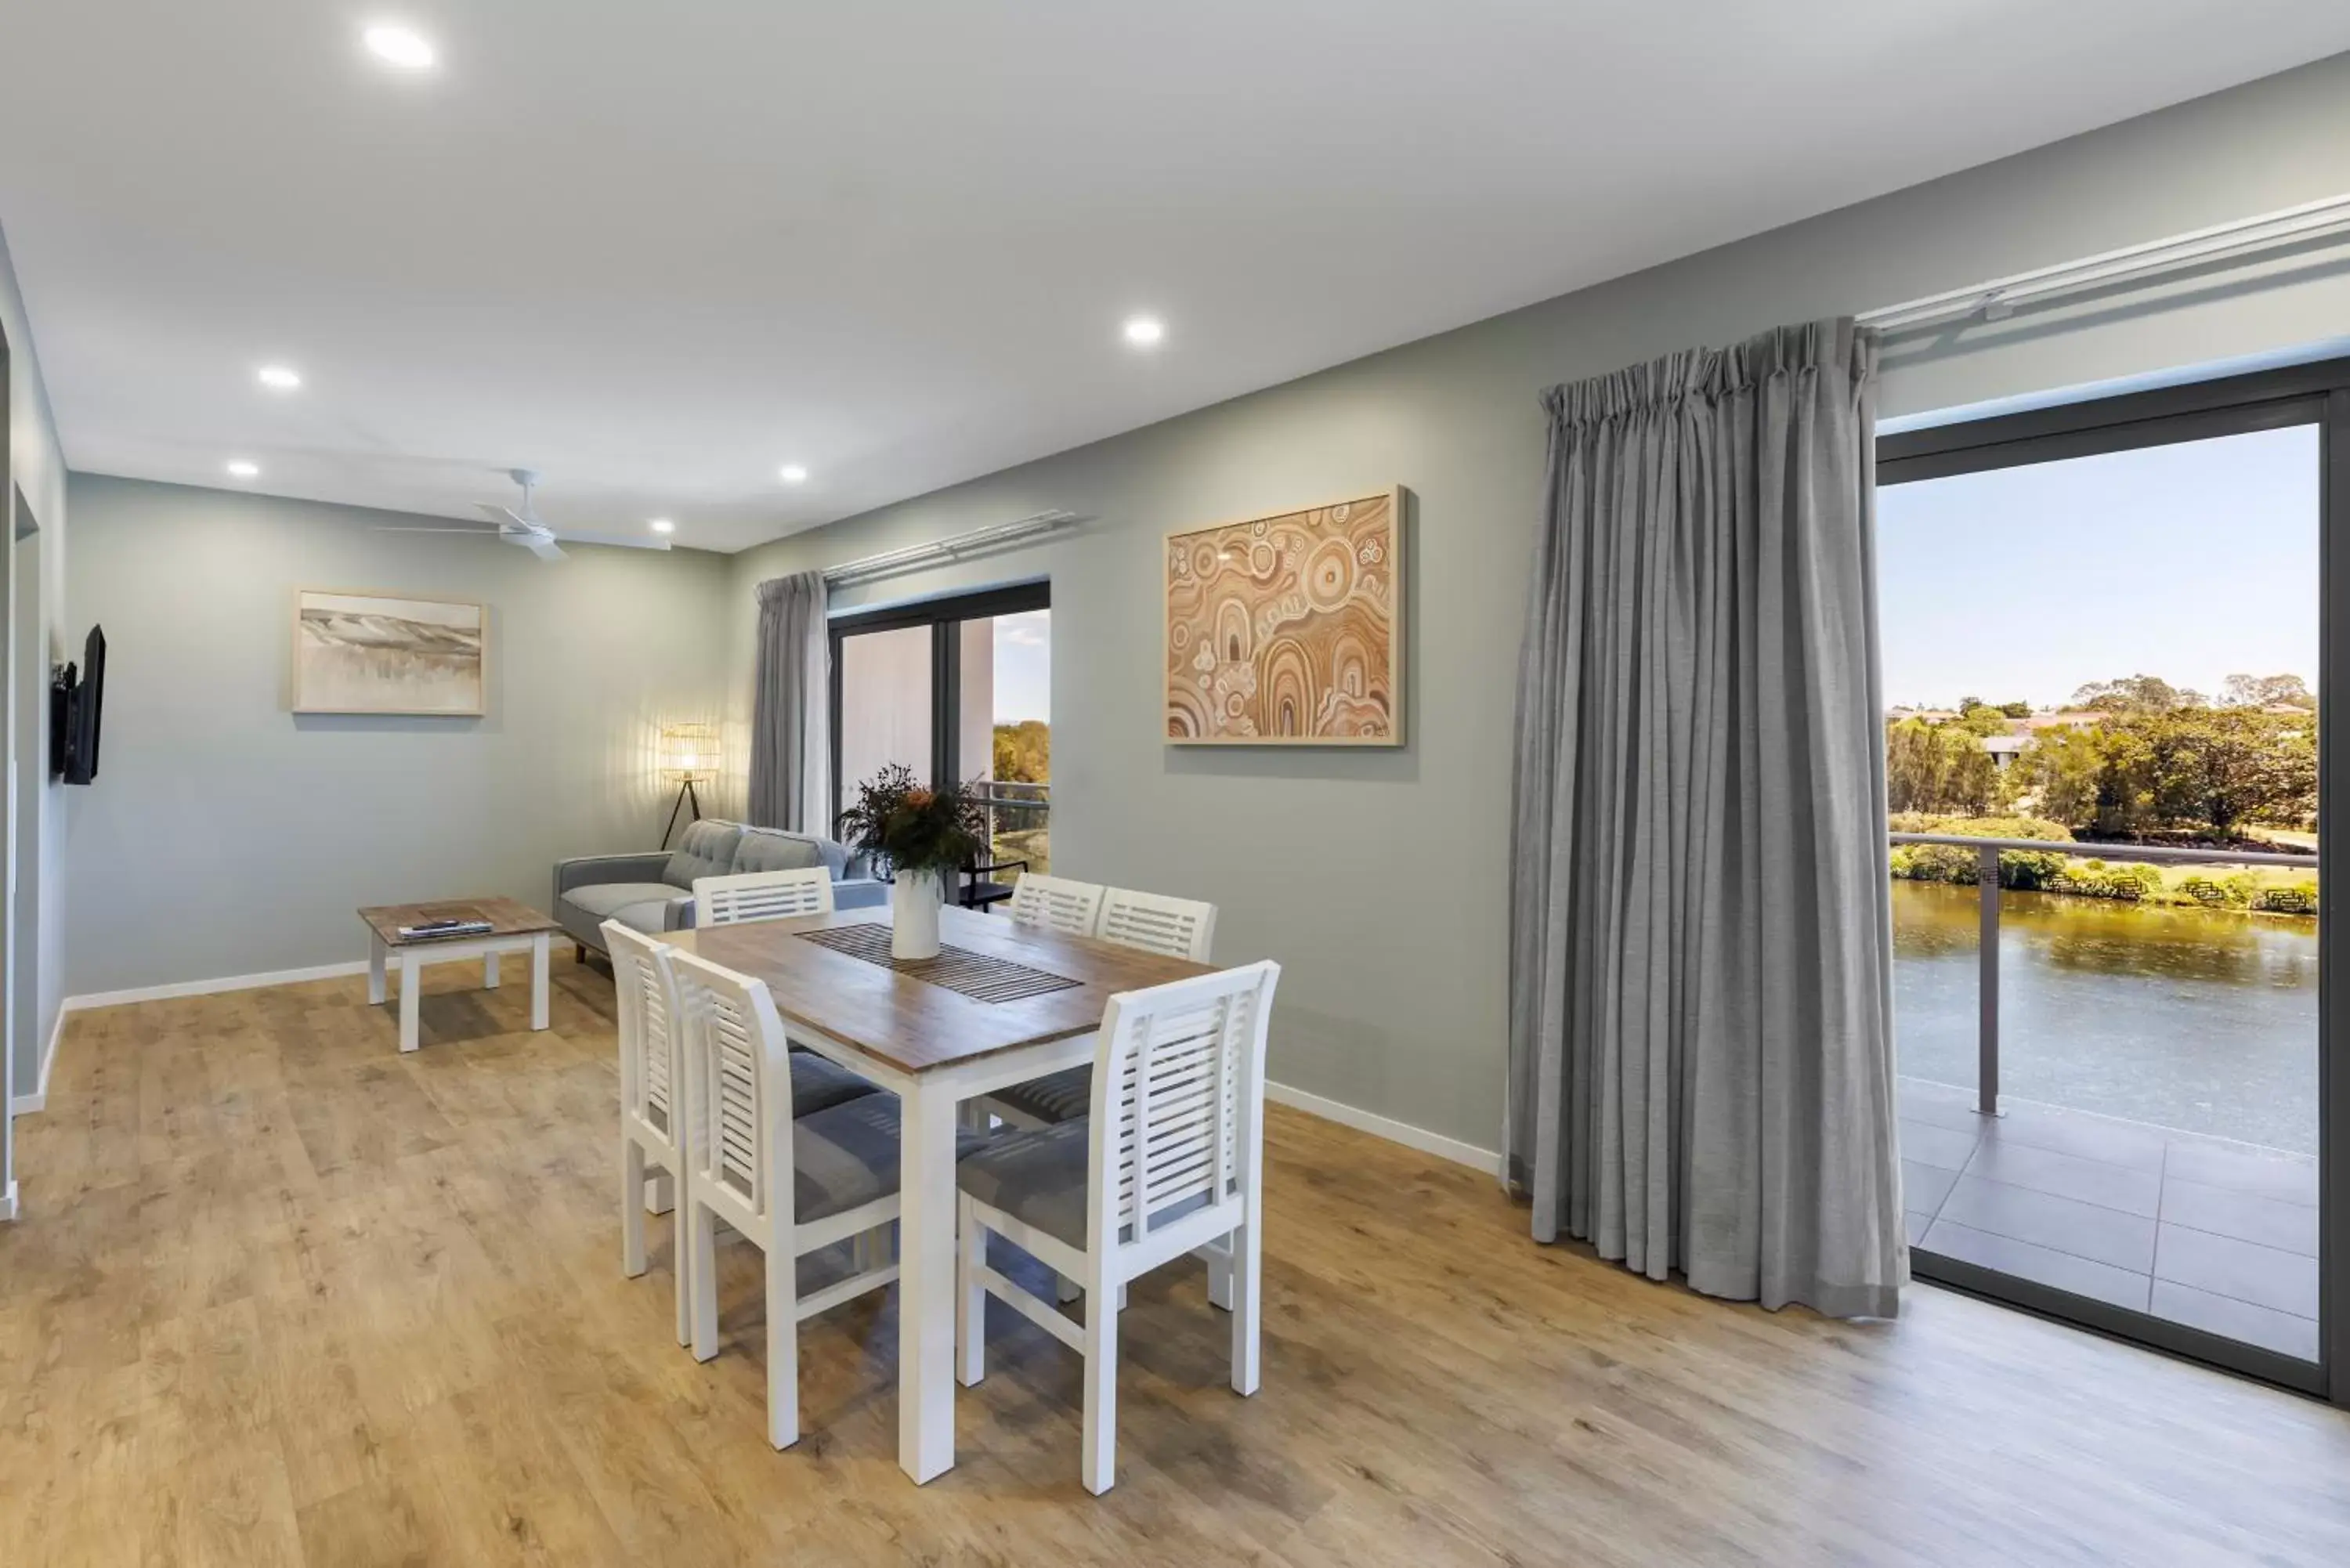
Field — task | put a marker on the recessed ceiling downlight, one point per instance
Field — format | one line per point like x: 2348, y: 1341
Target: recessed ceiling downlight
x: 402, y: 46
x: 240, y: 469
x: 279, y: 377
x: 792, y: 473
x: 1145, y: 331
x: 662, y: 526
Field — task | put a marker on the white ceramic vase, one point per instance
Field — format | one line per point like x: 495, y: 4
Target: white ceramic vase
x: 914, y: 915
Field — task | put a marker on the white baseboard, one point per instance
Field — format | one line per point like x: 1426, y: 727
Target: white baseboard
x: 26, y: 1105
x: 1404, y: 1133
x: 206, y: 987
x: 8, y: 1202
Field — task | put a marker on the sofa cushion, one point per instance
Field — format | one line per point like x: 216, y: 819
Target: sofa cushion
x: 765, y: 849
x: 706, y: 850
x: 639, y: 905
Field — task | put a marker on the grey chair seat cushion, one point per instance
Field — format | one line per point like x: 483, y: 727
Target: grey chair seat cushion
x: 1056, y: 1097
x: 627, y: 902
x: 848, y: 1156
x: 1038, y: 1177
x: 818, y: 1084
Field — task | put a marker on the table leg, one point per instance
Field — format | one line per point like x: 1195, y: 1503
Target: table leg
x: 410, y: 996
x: 490, y: 971
x: 926, y: 1279
x: 537, y: 981
x: 375, y: 970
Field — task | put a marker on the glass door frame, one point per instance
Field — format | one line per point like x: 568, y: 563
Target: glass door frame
x: 2314, y: 394
x: 941, y: 615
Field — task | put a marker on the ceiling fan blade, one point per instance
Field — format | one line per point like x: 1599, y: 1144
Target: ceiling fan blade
x: 538, y: 544
x: 505, y: 515
x: 471, y: 530
x: 614, y: 540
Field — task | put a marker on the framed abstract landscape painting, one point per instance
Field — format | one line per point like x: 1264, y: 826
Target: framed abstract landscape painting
x: 383, y: 653
x: 1287, y: 630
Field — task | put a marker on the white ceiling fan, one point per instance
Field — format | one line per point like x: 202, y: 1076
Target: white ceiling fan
x: 525, y: 527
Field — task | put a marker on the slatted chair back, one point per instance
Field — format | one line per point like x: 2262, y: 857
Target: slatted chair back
x: 740, y: 1083
x: 1057, y: 904
x: 1179, y: 928
x: 1179, y: 1105
x: 762, y: 896
x: 645, y: 992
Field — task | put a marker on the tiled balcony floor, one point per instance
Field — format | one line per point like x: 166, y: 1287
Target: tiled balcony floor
x: 2217, y: 1235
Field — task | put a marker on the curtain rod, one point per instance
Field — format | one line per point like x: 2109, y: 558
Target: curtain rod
x: 2000, y: 295
x: 943, y: 552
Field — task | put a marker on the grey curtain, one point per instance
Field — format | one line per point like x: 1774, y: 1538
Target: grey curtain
x: 1701, y: 981
x: 791, y: 744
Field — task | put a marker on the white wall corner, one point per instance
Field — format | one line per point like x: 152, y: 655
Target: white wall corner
x: 1404, y: 1133
x: 26, y: 1105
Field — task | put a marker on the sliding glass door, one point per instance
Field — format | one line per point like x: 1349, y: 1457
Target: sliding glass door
x: 955, y: 688
x: 2107, y: 630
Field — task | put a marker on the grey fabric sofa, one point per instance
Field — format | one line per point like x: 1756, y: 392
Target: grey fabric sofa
x: 654, y: 892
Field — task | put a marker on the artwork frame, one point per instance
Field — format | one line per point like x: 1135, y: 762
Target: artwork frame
x: 1373, y: 716
x: 446, y: 674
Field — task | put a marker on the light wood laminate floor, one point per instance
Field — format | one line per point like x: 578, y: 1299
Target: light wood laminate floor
x: 282, y: 1295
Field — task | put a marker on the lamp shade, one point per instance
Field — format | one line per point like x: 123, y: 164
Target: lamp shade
x: 689, y: 753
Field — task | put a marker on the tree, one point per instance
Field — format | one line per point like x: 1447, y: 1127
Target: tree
x: 2060, y: 771
x: 1982, y: 719
x: 1023, y: 751
x: 2225, y: 766
x: 2134, y: 693
x: 2268, y: 691
x: 2015, y: 710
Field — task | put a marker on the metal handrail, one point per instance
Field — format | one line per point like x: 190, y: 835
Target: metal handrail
x: 1987, y: 853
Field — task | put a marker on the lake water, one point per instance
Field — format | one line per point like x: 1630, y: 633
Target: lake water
x: 2182, y: 1018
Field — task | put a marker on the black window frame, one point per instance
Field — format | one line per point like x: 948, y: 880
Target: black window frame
x: 946, y: 662
x: 2313, y: 393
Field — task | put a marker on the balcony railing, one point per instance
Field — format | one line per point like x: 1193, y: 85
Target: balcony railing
x: 1019, y: 816
x: 1987, y: 853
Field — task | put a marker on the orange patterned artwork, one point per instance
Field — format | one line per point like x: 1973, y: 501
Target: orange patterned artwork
x: 1288, y: 630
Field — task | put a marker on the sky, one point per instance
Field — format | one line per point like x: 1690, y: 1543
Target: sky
x: 2191, y: 562
x: 1023, y: 666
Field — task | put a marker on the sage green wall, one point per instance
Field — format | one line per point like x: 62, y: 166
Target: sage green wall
x: 1379, y: 880
x: 227, y: 835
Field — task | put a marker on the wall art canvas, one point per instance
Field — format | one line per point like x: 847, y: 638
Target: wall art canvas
x: 380, y: 653
x: 1288, y: 630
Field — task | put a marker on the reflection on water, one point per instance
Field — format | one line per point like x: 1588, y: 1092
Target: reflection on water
x: 2183, y: 1018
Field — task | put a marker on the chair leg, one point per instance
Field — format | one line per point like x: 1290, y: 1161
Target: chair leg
x: 1247, y: 1267
x: 661, y: 1193
x: 1099, y: 1467
x: 701, y: 1257
x: 1220, y: 1275
x: 783, y: 1348
x: 633, y: 1209
x: 970, y: 1297
x: 680, y: 1263
x: 1065, y: 1290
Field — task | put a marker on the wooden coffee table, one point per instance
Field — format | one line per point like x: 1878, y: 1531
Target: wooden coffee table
x: 513, y: 928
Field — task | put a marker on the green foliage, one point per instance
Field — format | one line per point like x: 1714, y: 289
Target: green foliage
x: 1023, y: 751
x: 2135, y: 693
x: 2268, y: 691
x: 2019, y: 868
x: 1984, y: 720
x: 1939, y: 768
x: 2016, y: 709
x: 915, y: 828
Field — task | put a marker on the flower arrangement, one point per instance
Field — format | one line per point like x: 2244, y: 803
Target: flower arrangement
x: 913, y: 826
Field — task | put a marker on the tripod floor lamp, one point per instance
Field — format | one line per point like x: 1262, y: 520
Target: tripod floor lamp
x: 689, y: 755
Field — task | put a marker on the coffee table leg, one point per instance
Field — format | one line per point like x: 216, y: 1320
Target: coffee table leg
x: 537, y: 981
x: 926, y: 1271
x: 375, y: 970
x: 411, y: 995
x: 489, y: 971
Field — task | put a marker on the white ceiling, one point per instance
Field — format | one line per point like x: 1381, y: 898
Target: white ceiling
x: 660, y: 250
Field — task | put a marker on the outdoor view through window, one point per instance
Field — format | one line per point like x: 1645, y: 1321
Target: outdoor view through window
x: 2110, y: 653
x: 1022, y: 709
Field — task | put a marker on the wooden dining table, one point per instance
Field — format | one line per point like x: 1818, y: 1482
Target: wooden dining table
x: 1003, y: 1004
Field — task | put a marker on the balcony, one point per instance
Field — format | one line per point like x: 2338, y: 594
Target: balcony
x: 2177, y: 1180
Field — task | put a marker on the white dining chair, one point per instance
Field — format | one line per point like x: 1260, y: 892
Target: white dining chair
x: 1057, y: 904
x: 789, y: 1186
x: 762, y: 896
x: 1179, y: 928
x: 1170, y: 1159
x: 652, y: 1132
